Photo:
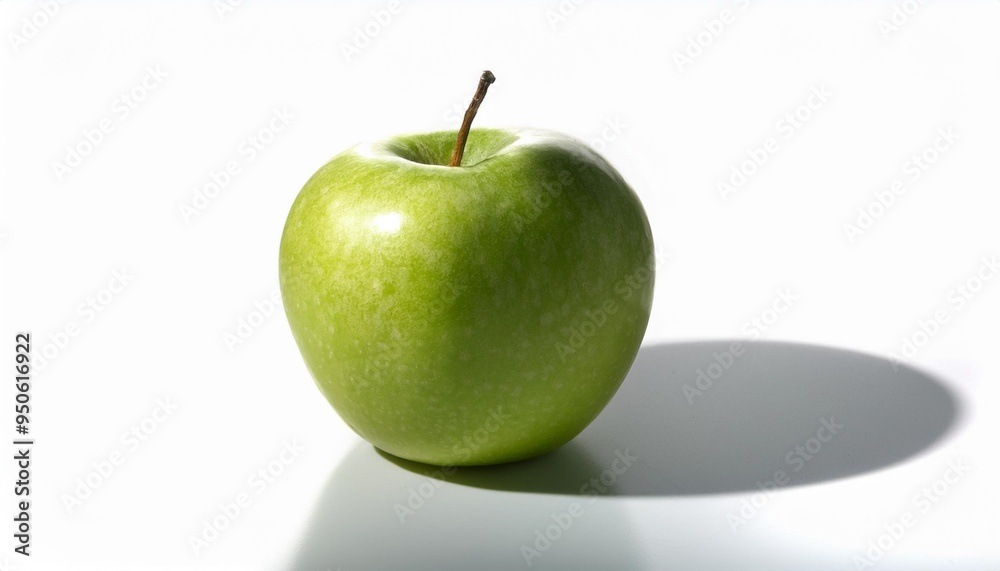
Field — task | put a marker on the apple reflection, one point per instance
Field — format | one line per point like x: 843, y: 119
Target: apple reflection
x: 376, y: 514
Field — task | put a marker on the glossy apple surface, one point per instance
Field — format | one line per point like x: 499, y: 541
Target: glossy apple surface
x: 468, y: 315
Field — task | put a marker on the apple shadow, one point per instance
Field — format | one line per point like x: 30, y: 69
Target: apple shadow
x: 774, y: 413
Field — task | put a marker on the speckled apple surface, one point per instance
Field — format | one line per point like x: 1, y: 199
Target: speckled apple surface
x: 468, y: 315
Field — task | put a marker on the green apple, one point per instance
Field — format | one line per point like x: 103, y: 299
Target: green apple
x: 473, y: 314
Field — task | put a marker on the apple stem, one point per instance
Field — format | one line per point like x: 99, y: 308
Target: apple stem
x: 463, y: 133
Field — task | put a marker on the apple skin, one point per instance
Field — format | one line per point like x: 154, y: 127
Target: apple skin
x: 468, y: 315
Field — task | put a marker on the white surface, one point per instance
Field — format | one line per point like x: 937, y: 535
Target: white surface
x: 676, y: 134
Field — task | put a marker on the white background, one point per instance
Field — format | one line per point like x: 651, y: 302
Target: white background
x: 680, y: 128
